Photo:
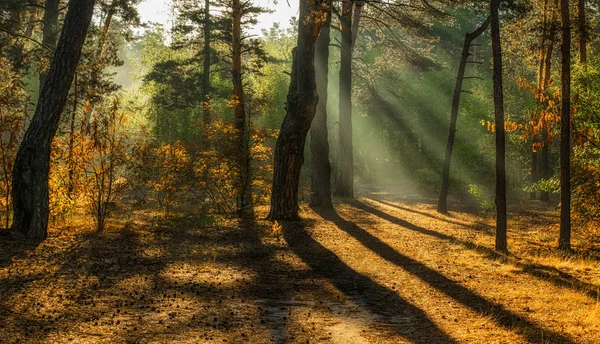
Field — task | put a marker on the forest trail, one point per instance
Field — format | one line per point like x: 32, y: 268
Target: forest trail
x: 375, y: 271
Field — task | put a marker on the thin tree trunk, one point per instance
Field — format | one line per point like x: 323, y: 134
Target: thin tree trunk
x: 71, y: 156
x: 344, y: 186
x: 534, y: 173
x: 300, y: 110
x: 206, y: 70
x: 564, y: 241
x: 105, y: 29
x: 501, y: 242
x: 319, y: 144
x: 469, y: 37
x: 50, y: 31
x: 32, y: 164
x: 582, y: 32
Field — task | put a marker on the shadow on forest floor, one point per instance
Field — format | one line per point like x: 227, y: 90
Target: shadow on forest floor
x: 186, y: 279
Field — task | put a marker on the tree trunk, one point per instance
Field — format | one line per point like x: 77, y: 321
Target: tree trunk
x: 300, y: 110
x: 206, y: 118
x: 105, y: 28
x: 344, y: 186
x: 50, y: 31
x: 564, y: 241
x: 469, y: 37
x: 319, y: 144
x: 501, y: 243
x: 239, y: 105
x: 534, y: 173
x: 32, y: 164
x: 545, y: 173
x: 582, y: 32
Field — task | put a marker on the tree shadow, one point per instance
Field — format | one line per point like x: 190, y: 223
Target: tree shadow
x: 501, y: 316
x: 546, y: 273
x: 487, y: 229
x: 379, y: 300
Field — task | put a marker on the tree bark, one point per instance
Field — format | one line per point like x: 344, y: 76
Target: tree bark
x: 469, y: 37
x: 32, y: 164
x: 564, y: 241
x: 319, y: 144
x: 534, y: 174
x: 344, y: 186
x: 582, y: 32
x: 206, y: 69
x: 239, y: 105
x: 50, y: 31
x: 501, y: 242
x: 300, y: 110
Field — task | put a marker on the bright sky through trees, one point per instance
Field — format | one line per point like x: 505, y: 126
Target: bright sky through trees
x: 159, y: 11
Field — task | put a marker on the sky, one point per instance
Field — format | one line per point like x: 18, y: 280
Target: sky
x: 159, y: 11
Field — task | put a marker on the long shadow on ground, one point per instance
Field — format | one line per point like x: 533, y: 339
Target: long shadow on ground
x: 543, y: 272
x: 503, y: 317
x: 379, y: 300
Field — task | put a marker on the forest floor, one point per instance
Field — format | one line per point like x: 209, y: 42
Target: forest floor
x: 376, y: 271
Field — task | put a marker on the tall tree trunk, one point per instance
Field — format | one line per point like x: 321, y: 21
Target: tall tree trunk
x: 206, y: 118
x: 540, y: 86
x: 501, y: 243
x: 545, y: 173
x: 300, y: 110
x: 564, y: 241
x: 581, y: 21
x: 469, y: 37
x: 50, y: 32
x: 239, y: 105
x: 105, y: 28
x: 319, y: 144
x: 32, y: 164
x: 344, y: 186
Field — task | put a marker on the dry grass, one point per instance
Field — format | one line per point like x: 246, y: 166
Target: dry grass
x: 377, y: 271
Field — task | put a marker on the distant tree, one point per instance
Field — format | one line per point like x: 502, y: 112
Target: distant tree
x: 564, y: 241
x: 300, y: 110
x: 501, y: 243
x: 32, y: 164
x: 319, y: 143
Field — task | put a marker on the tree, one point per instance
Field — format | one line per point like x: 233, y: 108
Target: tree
x: 469, y: 37
x: 300, y: 110
x: 501, y: 244
x: 319, y: 143
x: 581, y: 24
x: 564, y: 241
x: 32, y: 164
x: 206, y: 64
x: 344, y: 186
x: 50, y: 31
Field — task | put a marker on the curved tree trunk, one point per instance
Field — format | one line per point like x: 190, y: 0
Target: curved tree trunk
x: 469, y: 37
x: 32, y: 164
x: 564, y: 241
x: 501, y: 243
x: 300, y: 110
x: 319, y: 144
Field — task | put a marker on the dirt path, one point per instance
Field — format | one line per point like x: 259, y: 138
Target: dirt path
x: 374, y: 272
